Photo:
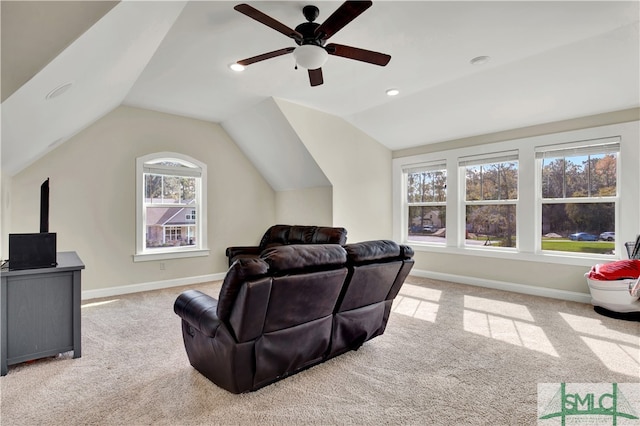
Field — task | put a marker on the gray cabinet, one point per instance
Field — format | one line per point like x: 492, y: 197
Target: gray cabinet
x: 40, y: 311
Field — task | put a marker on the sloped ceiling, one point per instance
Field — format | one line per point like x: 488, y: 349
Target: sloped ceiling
x: 26, y: 44
x: 550, y: 61
x: 274, y: 148
x: 102, y: 65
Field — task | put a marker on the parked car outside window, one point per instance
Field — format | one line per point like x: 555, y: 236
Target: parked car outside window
x: 583, y: 236
x: 608, y: 236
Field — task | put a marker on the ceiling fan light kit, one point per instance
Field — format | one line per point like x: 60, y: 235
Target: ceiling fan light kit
x: 311, y: 37
x: 310, y: 57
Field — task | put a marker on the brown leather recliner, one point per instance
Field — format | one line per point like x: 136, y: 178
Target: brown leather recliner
x: 293, y: 307
x: 279, y: 235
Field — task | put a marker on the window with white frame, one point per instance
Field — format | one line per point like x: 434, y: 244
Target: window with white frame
x: 561, y: 187
x: 578, y: 196
x: 171, y: 203
x: 491, y: 198
x: 426, y: 202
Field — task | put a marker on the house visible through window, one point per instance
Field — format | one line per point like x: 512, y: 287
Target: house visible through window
x: 170, y: 204
x: 579, y: 196
x: 491, y: 196
x: 426, y: 202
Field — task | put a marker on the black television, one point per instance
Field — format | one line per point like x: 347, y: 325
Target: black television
x: 44, y: 206
x: 31, y: 251
x: 27, y: 251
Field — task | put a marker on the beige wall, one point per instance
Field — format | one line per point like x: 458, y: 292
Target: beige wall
x: 5, y: 219
x: 308, y: 206
x: 519, y: 272
x: 93, y: 195
x: 358, y: 167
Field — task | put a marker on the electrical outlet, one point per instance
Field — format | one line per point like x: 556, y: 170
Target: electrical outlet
x: 162, y: 266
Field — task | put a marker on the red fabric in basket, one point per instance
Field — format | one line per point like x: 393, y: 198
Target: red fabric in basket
x: 618, y: 270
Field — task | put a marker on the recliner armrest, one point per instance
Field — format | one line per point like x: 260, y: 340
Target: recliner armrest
x: 247, y: 251
x: 234, y: 251
x: 199, y: 310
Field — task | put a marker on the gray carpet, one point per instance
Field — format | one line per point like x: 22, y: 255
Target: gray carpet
x: 451, y: 355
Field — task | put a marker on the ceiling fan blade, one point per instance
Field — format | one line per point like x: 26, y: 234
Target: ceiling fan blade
x: 315, y: 77
x: 264, y: 56
x: 347, y: 12
x: 358, y: 54
x: 267, y: 20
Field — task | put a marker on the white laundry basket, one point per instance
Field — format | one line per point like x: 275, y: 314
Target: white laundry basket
x: 613, y: 295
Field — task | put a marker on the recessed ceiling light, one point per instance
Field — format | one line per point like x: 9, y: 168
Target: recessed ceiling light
x: 236, y: 67
x: 59, y: 90
x: 479, y: 60
x: 392, y: 92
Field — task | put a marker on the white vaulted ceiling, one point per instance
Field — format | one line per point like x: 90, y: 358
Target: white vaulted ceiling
x: 550, y: 61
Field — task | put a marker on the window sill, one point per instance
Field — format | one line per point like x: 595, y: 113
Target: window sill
x: 145, y: 257
x: 511, y: 254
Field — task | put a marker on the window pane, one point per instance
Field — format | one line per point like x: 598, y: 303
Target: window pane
x: 603, y: 172
x: 553, y: 178
x: 580, y: 176
x: 577, y: 227
x: 490, y: 182
x: 493, y: 225
x: 169, y: 227
x: 188, y: 189
x: 153, y: 189
x: 171, y: 189
x: 427, y: 223
x: 426, y: 186
x: 576, y: 177
x: 496, y: 181
x: 474, y: 187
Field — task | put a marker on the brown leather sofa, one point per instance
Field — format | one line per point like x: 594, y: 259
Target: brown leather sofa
x: 279, y: 235
x: 293, y: 307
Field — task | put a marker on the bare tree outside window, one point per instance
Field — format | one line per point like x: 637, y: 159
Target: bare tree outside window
x: 491, y: 194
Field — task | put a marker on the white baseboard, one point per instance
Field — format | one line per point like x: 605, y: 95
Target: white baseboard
x: 155, y: 285
x: 460, y: 279
x: 507, y: 286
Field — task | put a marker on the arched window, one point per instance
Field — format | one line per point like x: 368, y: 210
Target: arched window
x: 171, y: 207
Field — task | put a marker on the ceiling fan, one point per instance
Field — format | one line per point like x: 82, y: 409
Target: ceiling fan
x: 311, y: 37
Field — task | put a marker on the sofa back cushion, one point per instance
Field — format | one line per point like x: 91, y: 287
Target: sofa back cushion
x: 278, y: 235
x: 311, y: 257
x: 287, y: 286
x: 301, y: 298
x: 375, y: 266
x: 300, y: 234
x: 275, y: 236
x: 328, y: 235
x: 373, y: 251
x: 369, y: 284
